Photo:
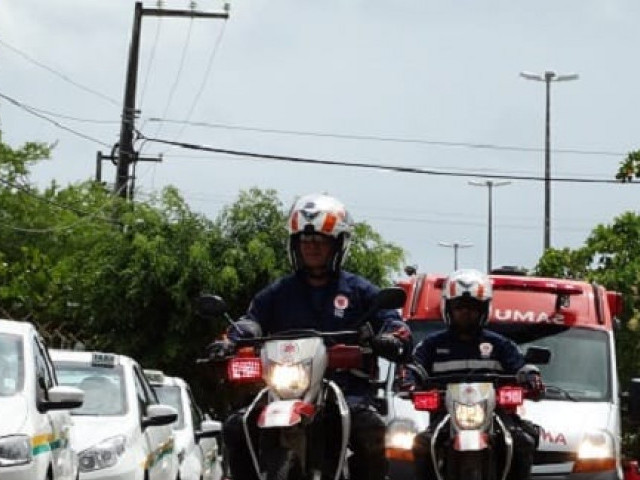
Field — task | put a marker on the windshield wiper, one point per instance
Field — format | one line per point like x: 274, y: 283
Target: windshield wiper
x: 561, y: 391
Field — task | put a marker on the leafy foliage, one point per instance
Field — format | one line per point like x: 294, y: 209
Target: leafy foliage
x: 86, y: 266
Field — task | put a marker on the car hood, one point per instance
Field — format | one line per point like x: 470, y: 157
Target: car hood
x: 14, y: 415
x: 560, y: 430
x: 89, y: 430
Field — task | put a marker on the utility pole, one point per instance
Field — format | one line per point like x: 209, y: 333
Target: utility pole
x: 456, y: 246
x: 548, y: 77
x: 126, y: 154
x: 490, y: 185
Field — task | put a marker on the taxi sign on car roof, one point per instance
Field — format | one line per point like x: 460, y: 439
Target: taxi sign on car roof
x: 154, y: 376
x: 103, y: 360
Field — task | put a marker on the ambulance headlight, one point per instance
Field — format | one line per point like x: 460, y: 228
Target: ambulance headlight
x: 596, y: 453
x: 15, y: 450
x: 103, y: 455
x: 400, y: 434
x: 596, y: 445
x: 289, y: 380
x: 470, y: 417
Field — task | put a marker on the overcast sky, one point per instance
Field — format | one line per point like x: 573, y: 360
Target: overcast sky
x: 412, y: 69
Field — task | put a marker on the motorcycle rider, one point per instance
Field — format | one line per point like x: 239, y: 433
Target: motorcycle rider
x: 464, y: 346
x: 320, y: 295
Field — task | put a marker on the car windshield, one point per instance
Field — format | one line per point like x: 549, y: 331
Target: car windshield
x: 103, y: 387
x: 170, y: 395
x: 11, y: 365
x: 569, y: 347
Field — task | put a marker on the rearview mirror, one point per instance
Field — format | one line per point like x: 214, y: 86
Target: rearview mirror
x: 392, y: 297
x: 159, y: 415
x: 209, y: 429
x: 537, y: 355
x: 62, y: 397
x: 209, y: 305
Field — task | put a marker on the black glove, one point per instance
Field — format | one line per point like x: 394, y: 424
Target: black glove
x: 220, y: 349
x: 530, y: 377
x: 387, y: 346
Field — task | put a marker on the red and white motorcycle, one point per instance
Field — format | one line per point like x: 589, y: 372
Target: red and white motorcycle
x: 470, y: 439
x: 298, y: 425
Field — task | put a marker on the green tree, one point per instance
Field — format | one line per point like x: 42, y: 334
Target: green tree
x: 122, y: 277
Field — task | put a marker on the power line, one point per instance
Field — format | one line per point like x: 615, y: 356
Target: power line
x: 42, y: 199
x: 203, y: 84
x: 378, y: 138
x: 151, y: 58
x: 59, y: 74
x: 389, y: 168
x: 176, y: 80
x: 50, y: 120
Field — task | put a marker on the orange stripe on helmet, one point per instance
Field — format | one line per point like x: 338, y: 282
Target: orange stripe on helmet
x: 452, y: 289
x: 480, y: 291
x: 294, y: 221
x: 330, y: 221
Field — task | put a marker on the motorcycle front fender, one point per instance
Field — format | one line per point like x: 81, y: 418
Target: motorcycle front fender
x: 284, y: 413
x: 470, y: 440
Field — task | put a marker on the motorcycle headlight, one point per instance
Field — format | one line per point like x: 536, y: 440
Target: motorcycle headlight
x: 470, y: 417
x: 400, y: 434
x: 15, y: 450
x: 289, y: 380
x: 103, y: 455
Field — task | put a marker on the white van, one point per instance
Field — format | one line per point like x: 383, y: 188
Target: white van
x: 121, y: 432
x: 579, y: 415
x: 196, y: 437
x: 34, y: 419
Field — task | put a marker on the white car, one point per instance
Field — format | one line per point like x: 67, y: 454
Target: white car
x: 121, y: 432
x: 35, y: 421
x: 195, y: 436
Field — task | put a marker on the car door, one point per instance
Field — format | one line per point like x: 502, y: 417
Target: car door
x: 160, y: 463
x: 208, y: 446
x: 52, y: 433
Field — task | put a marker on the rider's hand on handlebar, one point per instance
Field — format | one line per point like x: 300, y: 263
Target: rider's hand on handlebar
x: 387, y: 346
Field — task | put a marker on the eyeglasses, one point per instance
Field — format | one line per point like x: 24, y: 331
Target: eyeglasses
x: 315, y: 238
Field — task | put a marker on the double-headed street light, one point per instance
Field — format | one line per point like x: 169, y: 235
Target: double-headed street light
x: 456, y: 246
x: 548, y: 77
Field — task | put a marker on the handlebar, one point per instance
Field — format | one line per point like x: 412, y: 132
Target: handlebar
x: 294, y: 335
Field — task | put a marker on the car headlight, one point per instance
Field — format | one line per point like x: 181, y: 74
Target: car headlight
x: 400, y: 434
x: 15, y: 450
x: 103, y: 455
x: 289, y: 380
x: 469, y: 417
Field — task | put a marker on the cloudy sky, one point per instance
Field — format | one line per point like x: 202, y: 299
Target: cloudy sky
x: 441, y: 74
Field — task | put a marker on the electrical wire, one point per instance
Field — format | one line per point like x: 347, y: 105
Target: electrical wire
x: 59, y: 74
x: 388, y: 168
x: 50, y: 120
x: 151, y: 58
x: 176, y: 80
x: 203, y: 84
x: 378, y: 138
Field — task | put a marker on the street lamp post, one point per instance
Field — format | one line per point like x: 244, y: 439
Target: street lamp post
x: 548, y: 77
x: 490, y: 185
x: 456, y: 246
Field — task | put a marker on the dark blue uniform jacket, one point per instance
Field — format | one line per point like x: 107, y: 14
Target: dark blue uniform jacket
x: 291, y: 303
x: 441, y: 353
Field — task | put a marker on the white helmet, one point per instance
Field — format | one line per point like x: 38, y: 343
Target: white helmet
x: 467, y: 283
x: 319, y: 214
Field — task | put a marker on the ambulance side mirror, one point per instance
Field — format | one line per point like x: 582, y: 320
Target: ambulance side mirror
x: 633, y: 401
x: 537, y: 355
